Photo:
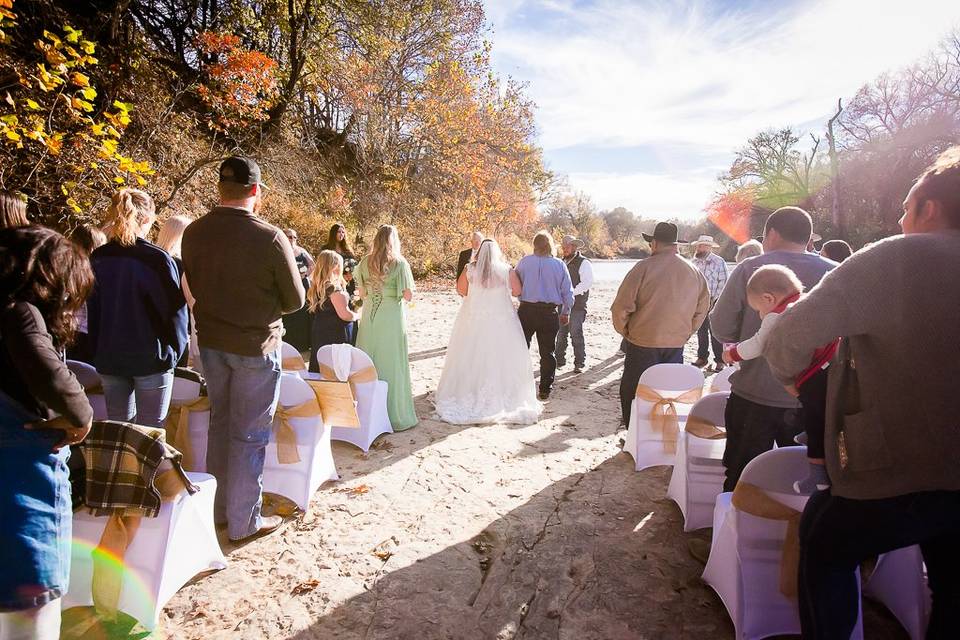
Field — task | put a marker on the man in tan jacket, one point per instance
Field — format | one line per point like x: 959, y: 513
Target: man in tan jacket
x: 660, y: 304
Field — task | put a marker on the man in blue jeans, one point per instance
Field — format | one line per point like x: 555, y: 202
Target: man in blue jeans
x: 242, y: 272
x: 661, y: 303
x: 581, y: 277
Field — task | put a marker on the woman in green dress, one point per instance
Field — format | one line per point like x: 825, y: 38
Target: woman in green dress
x: 384, y: 281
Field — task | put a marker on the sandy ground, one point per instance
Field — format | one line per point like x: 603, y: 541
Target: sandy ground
x: 541, y: 531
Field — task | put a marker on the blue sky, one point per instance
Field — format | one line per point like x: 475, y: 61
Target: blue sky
x: 642, y: 103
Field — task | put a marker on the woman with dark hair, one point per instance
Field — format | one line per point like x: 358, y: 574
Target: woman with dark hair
x: 337, y: 241
x: 44, y: 279
x: 137, y: 314
x: 13, y: 210
x: 88, y: 238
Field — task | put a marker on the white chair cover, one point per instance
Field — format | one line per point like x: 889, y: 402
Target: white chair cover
x: 288, y: 355
x: 90, y: 379
x: 721, y: 381
x: 299, y: 480
x: 198, y: 422
x: 642, y: 442
x: 698, y: 474
x: 166, y: 552
x: 745, y: 554
x: 899, y: 583
x: 371, y: 399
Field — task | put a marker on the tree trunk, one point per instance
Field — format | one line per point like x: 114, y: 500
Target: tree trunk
x: 835, y: 187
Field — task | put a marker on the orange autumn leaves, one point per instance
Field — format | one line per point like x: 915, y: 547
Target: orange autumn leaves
x: 239, y: 84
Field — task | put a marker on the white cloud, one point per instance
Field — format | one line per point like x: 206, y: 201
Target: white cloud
x: 673, y: 73
x: 652, y: 196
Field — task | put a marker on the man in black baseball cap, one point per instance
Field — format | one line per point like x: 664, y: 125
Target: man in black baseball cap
x: 242, y: 273
x: 240, y: 171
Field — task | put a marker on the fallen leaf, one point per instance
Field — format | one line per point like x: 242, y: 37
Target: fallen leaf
x: 305, y: 587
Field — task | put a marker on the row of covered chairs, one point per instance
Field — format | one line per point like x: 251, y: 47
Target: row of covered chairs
x: 674, y: 422
x: 169, y: 550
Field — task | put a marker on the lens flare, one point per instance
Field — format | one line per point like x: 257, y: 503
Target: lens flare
x: 135, y: 593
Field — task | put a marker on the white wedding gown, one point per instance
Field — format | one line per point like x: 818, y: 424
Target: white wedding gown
x: 487, y: 376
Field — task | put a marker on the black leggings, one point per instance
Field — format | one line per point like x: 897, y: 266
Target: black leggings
x: 813, y: 397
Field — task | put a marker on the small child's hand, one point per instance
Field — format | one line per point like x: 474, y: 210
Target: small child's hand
x: 792, y: 390
x: 728, y: 355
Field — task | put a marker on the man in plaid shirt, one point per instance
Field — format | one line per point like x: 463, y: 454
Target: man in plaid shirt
x: 714, y: 269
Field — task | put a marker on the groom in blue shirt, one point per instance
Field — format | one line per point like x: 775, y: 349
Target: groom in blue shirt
x: 546, y: 287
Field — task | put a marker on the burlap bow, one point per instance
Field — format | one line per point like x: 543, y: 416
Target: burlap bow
x: 703, y: 428
x: 367, y: 374
x: 286, y: 438
x: 293, y: 363
x: 117, y: 536
x: 177, y: 425
x: 663, y: 413
x: 752, y: 499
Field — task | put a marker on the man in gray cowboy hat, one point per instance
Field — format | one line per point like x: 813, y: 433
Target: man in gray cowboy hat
x: 714, y: 269
x: 661, y: 303
x: 581, y: 275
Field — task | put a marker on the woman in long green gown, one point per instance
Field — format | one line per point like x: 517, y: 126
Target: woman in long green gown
x: 384, y: 281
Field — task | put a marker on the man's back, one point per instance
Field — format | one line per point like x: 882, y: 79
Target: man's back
x: 661, y: 302
x: 242, y: 272
x: 732, y: 320
x: 545, y: 279
x: 897, y: 304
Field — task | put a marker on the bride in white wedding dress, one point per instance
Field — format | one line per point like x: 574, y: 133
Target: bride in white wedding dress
x: 487, y: 376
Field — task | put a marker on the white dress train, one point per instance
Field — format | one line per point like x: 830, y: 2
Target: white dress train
x: 487, y: 376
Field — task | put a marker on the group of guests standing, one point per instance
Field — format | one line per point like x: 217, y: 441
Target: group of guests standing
x: 128, y: 306
x: 867, y: 340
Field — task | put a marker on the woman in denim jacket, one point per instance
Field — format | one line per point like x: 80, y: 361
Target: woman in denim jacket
x: 44, y: 279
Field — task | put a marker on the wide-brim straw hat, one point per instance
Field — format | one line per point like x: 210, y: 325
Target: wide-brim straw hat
x: 707, y: 240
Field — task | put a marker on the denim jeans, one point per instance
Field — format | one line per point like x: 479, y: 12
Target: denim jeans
x: 636, y: 361
x: 574, y: 329
x: 141, y: 400
x: 705, y: 340
x: 35, y: 515
x: 753, y: 429
x: 243, y: 391
x: 837, y: 534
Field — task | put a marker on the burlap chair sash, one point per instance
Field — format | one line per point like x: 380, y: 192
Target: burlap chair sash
x: 177, y: 425
x: 367, y: 374
x: 117, y: 536
x: 293, y: 363
x: 703, y: 428
x: 752, y: 499
x: 286, y: 438
x: 663, y: 413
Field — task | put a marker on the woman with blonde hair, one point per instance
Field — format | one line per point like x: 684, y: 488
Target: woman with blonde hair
x: 384, y: 280
x: 170, y: 236
x: 170, y: 239
x: 137, y: 314
x: 329, y: 305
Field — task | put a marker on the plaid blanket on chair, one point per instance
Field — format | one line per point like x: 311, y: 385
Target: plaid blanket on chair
x: 123, y: 462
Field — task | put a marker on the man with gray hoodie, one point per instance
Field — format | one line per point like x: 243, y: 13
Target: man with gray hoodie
x: 892, y: 438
